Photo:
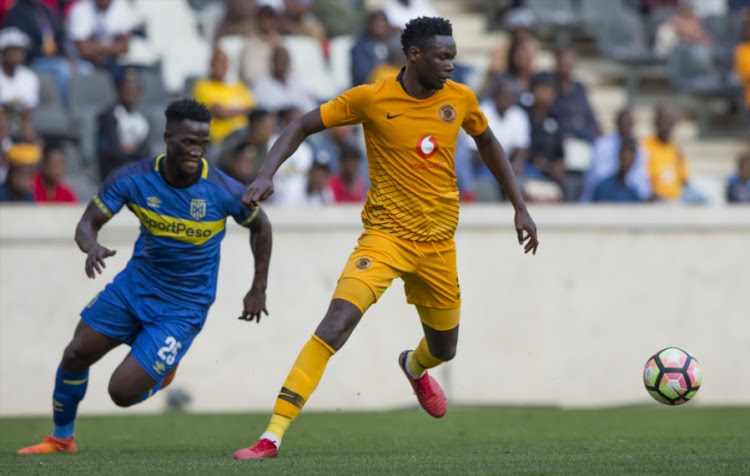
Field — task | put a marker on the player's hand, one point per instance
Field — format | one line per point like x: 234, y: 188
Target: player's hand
x: 95, y: 259
x: 524, y: 224
x: 260, y: 189
x: 255, y: 304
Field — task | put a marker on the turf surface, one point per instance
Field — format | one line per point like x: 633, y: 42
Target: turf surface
x: 634, y: 440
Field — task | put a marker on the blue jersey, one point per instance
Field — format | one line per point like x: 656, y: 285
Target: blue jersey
x: 177, y: 252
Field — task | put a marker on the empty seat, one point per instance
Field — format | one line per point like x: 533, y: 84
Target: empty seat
x: 309, y: 66
x: 340, y: 48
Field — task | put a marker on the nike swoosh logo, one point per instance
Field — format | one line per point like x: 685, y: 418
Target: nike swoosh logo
x: 388, y: 115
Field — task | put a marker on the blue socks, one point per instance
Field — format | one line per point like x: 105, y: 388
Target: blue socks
x: 69, y: 390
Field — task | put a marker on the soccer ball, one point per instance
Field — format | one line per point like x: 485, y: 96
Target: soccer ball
x: 672, y: 376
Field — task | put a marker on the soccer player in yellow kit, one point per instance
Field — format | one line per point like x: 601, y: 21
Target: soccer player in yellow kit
x: 411, y: 125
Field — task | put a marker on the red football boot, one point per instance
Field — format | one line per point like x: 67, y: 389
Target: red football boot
x: 50, y: 445
x: 261, y: 450
x: 427, y: 390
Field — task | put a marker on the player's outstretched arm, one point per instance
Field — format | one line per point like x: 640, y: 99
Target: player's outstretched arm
x: 86, y: 237
x: 494, y: 157
x: 291, y: 137
x: 260, y: 244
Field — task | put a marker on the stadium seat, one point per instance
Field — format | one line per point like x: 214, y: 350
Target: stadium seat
x: 154, y: 95
x: 232, y: 45
x: 310, y: 67
x: 557, y: 18
x: 169, y: 23
x: 341, y: 61
x: 88, y: 96
x: 178, y: 66
x: 50, y: 115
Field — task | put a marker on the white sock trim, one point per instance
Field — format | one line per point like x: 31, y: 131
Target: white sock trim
x: 270, y: 436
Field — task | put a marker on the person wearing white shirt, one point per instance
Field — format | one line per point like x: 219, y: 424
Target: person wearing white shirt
x: 19, y: 85
x: 399, y: 12
x: 280, y: 90
x: 100, y: 30
x: 511, y: 126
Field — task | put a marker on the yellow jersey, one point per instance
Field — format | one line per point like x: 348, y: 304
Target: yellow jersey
x: 236, y: 94
x: 410, y: 144
x: 667, y: 168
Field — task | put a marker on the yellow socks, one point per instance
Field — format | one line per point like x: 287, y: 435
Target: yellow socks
x: 420, y: 360
x: 298, y: 386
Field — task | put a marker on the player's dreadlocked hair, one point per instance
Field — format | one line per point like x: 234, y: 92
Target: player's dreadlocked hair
x: 420, y: 31
x: 187, y: 109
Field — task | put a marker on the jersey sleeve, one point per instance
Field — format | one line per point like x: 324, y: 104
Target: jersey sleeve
x: 347, y: 109
x: 233, y: 205
x: 114, y: 192
x: 475, y: 122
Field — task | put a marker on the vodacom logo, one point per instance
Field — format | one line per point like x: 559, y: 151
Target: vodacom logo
x: 427, y: 146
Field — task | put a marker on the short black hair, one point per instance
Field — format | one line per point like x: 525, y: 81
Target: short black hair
x: 543, y: 79
x: 187, y: 109
x: 52, y: 145
x: 419, y: 32
x: 257, y: 115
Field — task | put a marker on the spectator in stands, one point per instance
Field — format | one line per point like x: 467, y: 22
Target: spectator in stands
x: 520, y: 71
x: 229, y: 103
x: 240, y: 165
x: 256, y: 140
x: 45, y: 29
x: 279, y: 89
x: 290, y: 181
x: 348, y: 185
x: 688, y: 27
x: 19, y: 85
x: 371, y: 47
x: 23, y: 160
x: 667, y: 166
x: 5, y: 144
x: 615, y: 188
x: 255, y: 58
x: 572, y: 103
x: 297, y: 19
x: 318, y: 192
x: 48, y: 184
x: 738, y: 185
x: 742, y: 63
x: 123, y: 131
x: 605, y: 163
x: 392, y: 66
x: 239, y: 18
x: 510, y: 123
x: 545, y: 157
x: 518, y: 22
x: 399, y: 12
x: 329, y: 144
x: 100, y: 31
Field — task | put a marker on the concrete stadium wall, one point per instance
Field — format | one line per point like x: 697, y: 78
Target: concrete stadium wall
x: 571, y: 326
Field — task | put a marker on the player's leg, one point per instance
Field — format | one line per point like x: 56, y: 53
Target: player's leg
x: 435, y: 292
x: 155, y: 354
x: 367, y: 274
x: 87, y: 346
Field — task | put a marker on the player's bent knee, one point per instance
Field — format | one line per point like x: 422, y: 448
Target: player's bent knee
x: 74, y: 359
x: 121, y: 396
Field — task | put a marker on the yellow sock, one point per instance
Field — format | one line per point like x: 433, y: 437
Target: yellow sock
x: 299, y: 385
x: 420, y: 359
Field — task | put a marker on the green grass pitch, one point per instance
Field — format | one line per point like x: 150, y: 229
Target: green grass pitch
x: 653, y: 439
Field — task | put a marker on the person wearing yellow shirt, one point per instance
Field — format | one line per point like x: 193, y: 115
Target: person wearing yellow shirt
x: 229, y: 103
x: 667, y: 166
x: 411, y: 124
x: 742, y: 63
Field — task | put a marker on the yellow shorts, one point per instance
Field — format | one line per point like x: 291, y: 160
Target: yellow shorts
x: 427, y: 268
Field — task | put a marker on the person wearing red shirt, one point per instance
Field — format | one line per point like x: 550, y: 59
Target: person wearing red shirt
x: 48, y: 184
x: 348, y: 185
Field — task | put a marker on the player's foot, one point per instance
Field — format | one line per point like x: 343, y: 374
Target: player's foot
x: 427, y: 390
x: 50, y: 445
x: 260, y: 450
x: 168, y: 379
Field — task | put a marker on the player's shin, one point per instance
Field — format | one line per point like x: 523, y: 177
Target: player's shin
x: 298, y: 386
x: 70, y: 388
x: 420, y: 360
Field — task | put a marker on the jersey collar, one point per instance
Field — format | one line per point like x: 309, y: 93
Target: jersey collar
x: 204, y: 165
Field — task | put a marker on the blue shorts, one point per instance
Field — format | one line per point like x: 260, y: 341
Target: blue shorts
x: 158, y: 331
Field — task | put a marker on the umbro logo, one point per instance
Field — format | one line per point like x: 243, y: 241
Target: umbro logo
x: 389, y: 116
x: 153, y: 202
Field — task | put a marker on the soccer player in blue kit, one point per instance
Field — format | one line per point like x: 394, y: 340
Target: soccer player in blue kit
x: 158, y: 303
